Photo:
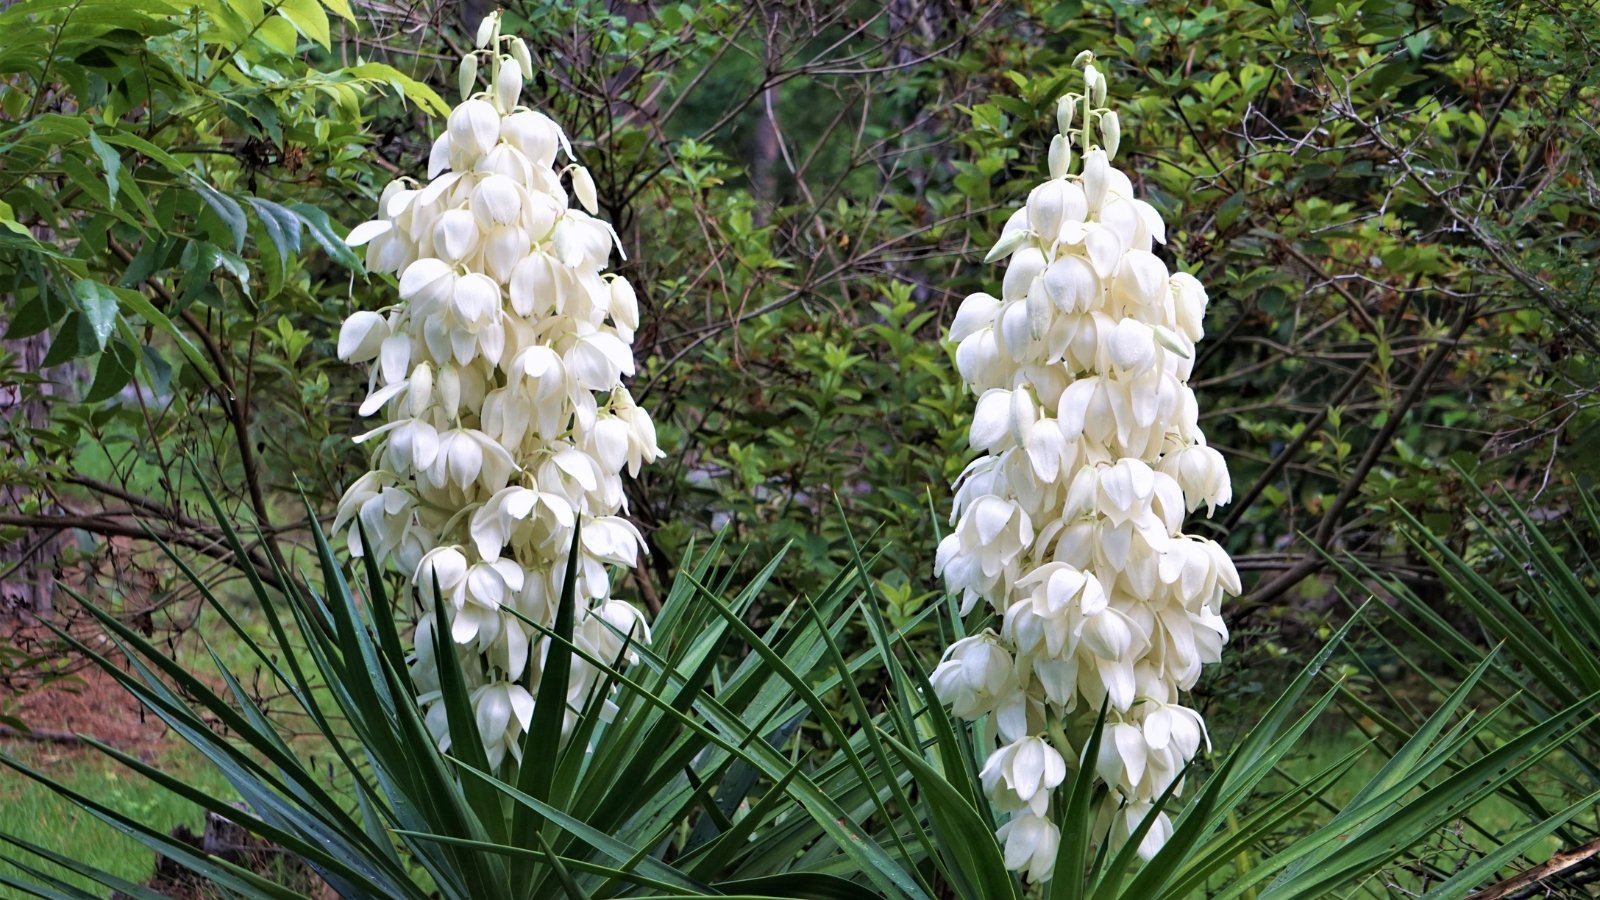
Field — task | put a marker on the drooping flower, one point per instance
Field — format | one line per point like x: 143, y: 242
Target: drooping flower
x: 499, y: 381
x: 1069, y: 527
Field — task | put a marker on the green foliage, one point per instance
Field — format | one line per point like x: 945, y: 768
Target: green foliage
x: 1522, y: 580
x: 701, y: 781
x: 172, y: 172
x: 1386, y: 200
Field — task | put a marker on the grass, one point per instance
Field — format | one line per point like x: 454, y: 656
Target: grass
x: 34, y: 813
x: 39, y: 815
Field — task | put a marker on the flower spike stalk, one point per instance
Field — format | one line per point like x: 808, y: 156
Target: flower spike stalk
x: 1070, y: 525
x: 498, y: 377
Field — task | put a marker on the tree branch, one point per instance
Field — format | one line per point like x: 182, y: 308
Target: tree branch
x: 1557, y: 864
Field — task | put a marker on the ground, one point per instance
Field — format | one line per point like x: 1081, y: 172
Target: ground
x: 89, y: 702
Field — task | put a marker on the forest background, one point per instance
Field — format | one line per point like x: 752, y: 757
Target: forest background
x: 1393, y: 206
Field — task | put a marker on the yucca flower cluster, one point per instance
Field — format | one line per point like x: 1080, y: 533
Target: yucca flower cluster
x: 506, y: 423
x: 1070, y: 526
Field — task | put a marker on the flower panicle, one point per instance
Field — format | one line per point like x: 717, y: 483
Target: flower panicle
x: 1069, y: 527
x: 498, y: 381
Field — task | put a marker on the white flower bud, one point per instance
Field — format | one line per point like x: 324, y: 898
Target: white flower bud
x: 1009, y: 244
x: 467, y: 76
x: 476, y: 298
x: 1020, y: 774
x: 1110, y: 133
x: 428, y: 281
x: 507, y: 83
x: 534, y: 135
x: 1030, y: 845
x: 583, y: 188
x: 497, y: 200
x: 624, y: 304
x: 449, y: 387
x: 455, y: 237
x: 474, y: 126
x: 1060, y: 157
x: 519, y: 52
x: 361, y: 336
x: 1096, y: 177
x: 487, y: 29
x: 1094, y: 85
x: 1065, y: 106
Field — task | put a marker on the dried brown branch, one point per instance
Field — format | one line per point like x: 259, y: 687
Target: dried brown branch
x: 1526, y: 884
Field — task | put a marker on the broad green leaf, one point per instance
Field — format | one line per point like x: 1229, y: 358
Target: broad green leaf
x: 309, y: 18
x: 423, y: 96
x: 278, y: 33
x: 73, y: 341
x: 29, y: 318
x: 115, y: 369
x: 227, y: 209
x: 99, y: 304
x: 143, y: 308
x: 8, y: 219
x: 321, y: 229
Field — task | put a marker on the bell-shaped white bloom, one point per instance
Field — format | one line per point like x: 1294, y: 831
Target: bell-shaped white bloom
x: 507, y: 427
x: 975, y: 675
x: 1021, y: 774
x: 362, y: 336
x: 1030, y: 843
x: 503, y: 711
x: 474, y: 128
x: 1070, y: 525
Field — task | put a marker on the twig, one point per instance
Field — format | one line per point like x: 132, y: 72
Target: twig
x: 48, y: 736
x: 1557, y: 864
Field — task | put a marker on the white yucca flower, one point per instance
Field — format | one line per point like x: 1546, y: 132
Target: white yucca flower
x: 498, y: 377
x: 1070, y: 527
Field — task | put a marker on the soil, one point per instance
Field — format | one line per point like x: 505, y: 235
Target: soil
x: 92, y: 704
x: 80, y: 699
x: 84, y: 701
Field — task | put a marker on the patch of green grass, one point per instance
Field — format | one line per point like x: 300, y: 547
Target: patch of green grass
x: 35, y: 813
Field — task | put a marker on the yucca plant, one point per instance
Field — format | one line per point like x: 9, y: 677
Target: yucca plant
x: 726, y: 768
x: 1522, y: 608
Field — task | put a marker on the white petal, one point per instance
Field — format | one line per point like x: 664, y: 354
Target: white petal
x: 366, y: 231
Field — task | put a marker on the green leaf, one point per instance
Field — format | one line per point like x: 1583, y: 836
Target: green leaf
x: 115, y: 370
x: 74, y: 341
x: 110, y: 159
x: 309, y: 19
x: 568, y: 885
x: 1470, y: 878
x: 282, y: 226
x: 227, y: 209
x: 99, y: 304
x: 8, y: 219
x: 31, y: 317
x: 278, y: 33
x: 541, y: 745
x: 423, y: 96
x: 321, y: 229
x: 143, y: 308
x: 963, y: 833
x: 798, y: 885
